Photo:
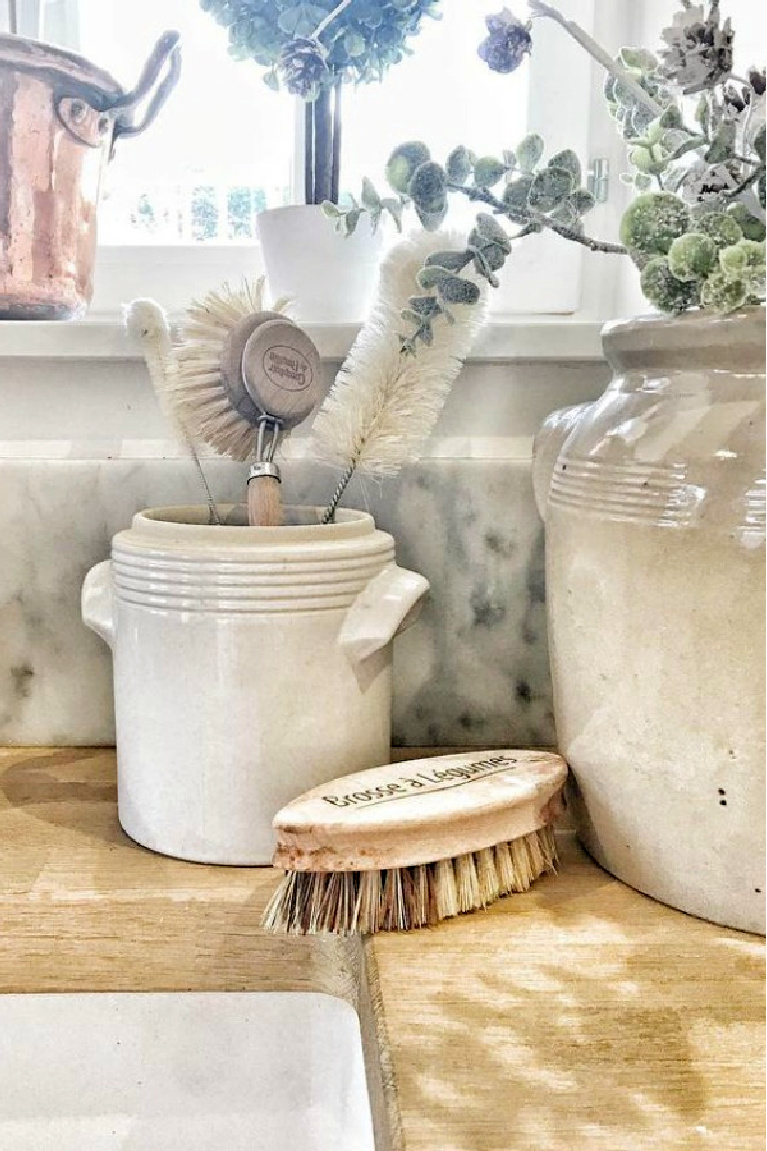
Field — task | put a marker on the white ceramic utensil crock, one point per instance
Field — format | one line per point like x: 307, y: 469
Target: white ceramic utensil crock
x: 250, y: 664
x: 653, y: 499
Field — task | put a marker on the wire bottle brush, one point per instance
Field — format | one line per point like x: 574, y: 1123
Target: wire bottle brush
x: 410, y: 844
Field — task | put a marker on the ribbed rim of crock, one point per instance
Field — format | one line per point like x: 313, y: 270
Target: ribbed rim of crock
x: 188, y: 523
x: 699, y: 332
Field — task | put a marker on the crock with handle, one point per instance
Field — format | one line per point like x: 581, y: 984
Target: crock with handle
x: 654, y: 506
x: 250, y: 665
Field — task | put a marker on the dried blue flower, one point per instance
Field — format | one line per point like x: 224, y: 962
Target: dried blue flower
x: 698, y: 52
x: 507, y: 44
x: 303, y: 66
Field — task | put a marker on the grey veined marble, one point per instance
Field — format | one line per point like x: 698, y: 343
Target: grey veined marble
x: 474, y: 669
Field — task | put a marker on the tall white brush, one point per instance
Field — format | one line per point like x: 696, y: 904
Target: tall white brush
x: 146, y: 321
x: 384, y: 404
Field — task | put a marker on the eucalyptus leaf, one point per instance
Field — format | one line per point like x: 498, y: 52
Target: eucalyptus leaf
x: 431, y: 276
x: 368, y: 195
x: 549, y: 188
x: 427, y: 187
x: 582, y: 201
x: 454, y: 261
x: 489, y: 229
x: 351, y: 219
x: 568, y: 160
x: 515, y: 197
x: 459, y: 165
x: 529, y: 153
x: 425, y: 305
x: 403, y: 162
x: 394, y: 208
x: 457, y: 290
x: 431, y: 219
x: 488, y: 171
x: 483, y: 268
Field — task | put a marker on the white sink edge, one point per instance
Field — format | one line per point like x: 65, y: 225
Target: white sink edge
x: 182, y: 1071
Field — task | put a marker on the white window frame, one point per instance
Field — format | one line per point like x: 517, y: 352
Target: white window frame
x: 562, y: 110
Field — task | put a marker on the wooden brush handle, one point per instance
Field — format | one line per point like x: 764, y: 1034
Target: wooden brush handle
x: 420, y: 811
x: 264, y: 497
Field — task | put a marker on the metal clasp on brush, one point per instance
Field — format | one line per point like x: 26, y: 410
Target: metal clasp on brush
x: 264, y: 464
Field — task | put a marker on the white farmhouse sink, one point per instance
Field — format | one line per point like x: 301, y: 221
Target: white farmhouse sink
x: 188, y: 1071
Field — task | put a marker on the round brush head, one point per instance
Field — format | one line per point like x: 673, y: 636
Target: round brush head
x: 237, y: 362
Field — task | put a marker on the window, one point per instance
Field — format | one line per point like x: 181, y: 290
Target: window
x: 179, y: 202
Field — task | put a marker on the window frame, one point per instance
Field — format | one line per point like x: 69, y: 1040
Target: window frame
x: 560, y: 108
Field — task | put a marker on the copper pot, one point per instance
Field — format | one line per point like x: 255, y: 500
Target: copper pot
x: 59, y: 119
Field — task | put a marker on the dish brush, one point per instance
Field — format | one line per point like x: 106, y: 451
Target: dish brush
x: 410, y: 844
x: 246, y: 375
x: 238, y: 379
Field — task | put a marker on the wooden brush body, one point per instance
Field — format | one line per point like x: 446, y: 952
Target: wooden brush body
x: 410, y: 844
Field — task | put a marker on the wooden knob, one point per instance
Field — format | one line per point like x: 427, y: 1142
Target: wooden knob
x: 281, y: 371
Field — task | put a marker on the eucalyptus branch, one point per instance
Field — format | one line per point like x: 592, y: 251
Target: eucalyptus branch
x: 597, y: 52
x: 486, y: 197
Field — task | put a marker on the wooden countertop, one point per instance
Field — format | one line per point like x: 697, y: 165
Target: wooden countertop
x: 579, y: 1016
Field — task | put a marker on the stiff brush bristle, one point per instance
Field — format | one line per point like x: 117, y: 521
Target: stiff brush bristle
x: 197, y: 391
x: 398, y: 899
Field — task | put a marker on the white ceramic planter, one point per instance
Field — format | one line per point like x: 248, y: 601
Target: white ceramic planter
x: 329, y: 278
x: 653, y: 499
x: 250, y: 664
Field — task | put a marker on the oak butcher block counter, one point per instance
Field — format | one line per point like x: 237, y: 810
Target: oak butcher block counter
x: 579, y: 1016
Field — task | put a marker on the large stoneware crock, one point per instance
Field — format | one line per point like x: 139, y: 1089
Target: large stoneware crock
x: 654, y: 503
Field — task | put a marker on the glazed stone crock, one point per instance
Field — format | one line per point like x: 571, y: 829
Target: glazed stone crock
x: 654, y: 505
x: 251, y: 664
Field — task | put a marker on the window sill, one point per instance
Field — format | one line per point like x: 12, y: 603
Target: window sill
x: 513, y: 340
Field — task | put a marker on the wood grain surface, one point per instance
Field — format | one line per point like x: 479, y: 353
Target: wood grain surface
x: 578, y: 1016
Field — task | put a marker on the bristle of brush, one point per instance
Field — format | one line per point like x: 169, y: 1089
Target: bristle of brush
x: 399, y: 899
x: 196, y: 391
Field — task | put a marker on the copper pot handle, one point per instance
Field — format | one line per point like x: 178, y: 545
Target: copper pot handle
x: 167, y: 51
x: 89, y: 124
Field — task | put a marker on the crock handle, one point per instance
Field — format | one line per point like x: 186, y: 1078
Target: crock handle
x: 547, y: 445
x: 388, y: 605
x: 97, y: 602
x: 166, y: 51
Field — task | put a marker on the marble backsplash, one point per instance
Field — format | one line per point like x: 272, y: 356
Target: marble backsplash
x: 473, y: 670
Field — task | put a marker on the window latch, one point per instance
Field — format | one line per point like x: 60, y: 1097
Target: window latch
x: 598, y: 179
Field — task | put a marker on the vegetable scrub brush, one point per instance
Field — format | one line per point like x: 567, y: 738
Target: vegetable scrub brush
x: 410, y: 844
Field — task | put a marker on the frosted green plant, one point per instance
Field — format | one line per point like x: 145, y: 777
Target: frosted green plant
x: 664, y: 289
x: 698, y: 169
x: 722, y: 228
x: 692, y: 257
x: 652, y: 223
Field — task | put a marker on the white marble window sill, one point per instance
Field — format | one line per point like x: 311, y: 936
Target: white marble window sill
x: 512, y: 340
